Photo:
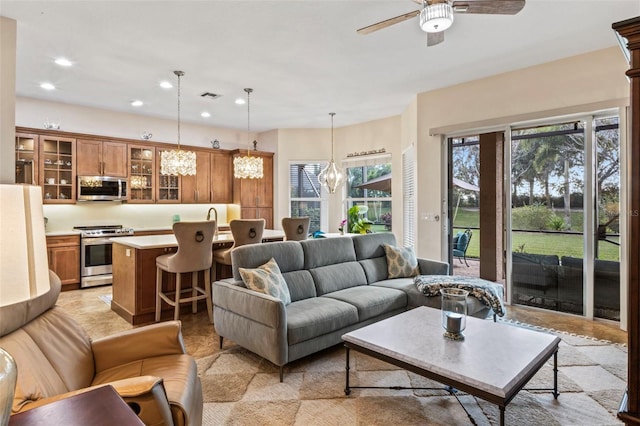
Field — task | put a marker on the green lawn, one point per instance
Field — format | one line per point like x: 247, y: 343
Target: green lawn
x: 534, y: 242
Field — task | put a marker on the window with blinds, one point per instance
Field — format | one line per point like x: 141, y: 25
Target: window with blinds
x: 306, y: 197
x: 409, y: 197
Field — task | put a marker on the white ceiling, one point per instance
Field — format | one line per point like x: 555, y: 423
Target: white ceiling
x: 303, y: 58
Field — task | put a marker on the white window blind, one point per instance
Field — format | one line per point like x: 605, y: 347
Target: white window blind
x: 409, y: 197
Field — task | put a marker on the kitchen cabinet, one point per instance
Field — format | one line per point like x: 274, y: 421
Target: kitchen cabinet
x: 101, y: 158
x: 142, y: 171
x: 57, y: 174
x: 27, y: 158
x: 221, y: 178
x: 168, y: 187
x: 64, y: 259
x: 197, y: 188
x: 255, y: 196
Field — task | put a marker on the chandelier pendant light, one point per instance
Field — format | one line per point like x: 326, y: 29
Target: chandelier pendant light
x: 248, y: 167
x: 177, y: 162
x: 331, y: 176
x: 436, y: 17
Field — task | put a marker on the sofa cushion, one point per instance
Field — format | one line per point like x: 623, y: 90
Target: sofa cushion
x: 414, y: 297
x: 369, y: 246
x: 401, y: 262
x: 300, y: 284
x: 314, y: 317
x: 327, y: 251
x: 267, y: 279
x: 375, y: 269
x: 337, y: 277
x: 287, y: 254
x: 371, y: 301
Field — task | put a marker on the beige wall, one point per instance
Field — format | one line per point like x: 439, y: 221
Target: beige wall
x: 7, y: 99
x: 592, y: 79
x: 81, y: 119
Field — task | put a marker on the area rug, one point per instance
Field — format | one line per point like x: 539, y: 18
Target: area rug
x: 241, y: 388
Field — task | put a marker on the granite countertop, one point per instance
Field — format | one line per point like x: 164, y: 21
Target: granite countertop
x: 59, y: 233
x: 169, y: 240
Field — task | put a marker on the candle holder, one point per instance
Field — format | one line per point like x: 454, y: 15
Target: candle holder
x: 454, y: 312
x: 8, y: 377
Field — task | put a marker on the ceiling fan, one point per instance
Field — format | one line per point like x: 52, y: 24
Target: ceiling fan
x: 437, y: 15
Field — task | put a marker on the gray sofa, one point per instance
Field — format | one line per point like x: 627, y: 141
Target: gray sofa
x: 336, y: 285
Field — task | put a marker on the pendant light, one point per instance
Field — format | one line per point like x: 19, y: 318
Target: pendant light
x: 177, y: 162
x: 248, y: 167
x: 331, y: 176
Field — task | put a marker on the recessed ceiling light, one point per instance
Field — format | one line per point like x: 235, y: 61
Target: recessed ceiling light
x: 205, y: 114
x: 47, y: 86
x: 240, y: 101
x: 166, y: 85
x: 137, y: 103
x: 63, y: 62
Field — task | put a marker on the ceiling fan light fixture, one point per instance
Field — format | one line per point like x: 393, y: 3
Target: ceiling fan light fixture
x: 436, y: 17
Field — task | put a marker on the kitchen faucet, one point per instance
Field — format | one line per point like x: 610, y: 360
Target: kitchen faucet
x: 215, y: 217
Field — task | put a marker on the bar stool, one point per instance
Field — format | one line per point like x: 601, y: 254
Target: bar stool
x: 296, y: 228
x: 244, y: 231
x: 194, y: 255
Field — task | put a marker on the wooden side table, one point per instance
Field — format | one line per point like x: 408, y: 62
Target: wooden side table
x: 99, y: 407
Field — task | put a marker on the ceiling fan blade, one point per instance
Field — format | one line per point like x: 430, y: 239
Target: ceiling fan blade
x: 388, y: 22
x: 435, y: 38
x: 494, y: 7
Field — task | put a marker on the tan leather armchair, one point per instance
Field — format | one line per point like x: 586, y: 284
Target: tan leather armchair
x: 148, y: 366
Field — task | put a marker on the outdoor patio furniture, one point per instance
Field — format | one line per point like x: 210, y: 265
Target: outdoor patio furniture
x: 461, y: 244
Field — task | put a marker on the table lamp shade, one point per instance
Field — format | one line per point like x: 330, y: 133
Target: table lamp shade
x: 24, y: 269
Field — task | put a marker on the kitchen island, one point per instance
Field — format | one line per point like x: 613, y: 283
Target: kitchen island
x: 134, y: 273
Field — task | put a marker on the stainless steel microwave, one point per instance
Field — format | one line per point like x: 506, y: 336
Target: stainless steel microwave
x: 101, y: 188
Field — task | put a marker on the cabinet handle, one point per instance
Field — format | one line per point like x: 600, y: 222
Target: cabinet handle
x: 196, y: 194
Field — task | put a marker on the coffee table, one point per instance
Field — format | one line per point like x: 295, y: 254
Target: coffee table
x: 494, y: 362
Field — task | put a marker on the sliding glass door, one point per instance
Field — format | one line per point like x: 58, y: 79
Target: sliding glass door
x: 564, y: 217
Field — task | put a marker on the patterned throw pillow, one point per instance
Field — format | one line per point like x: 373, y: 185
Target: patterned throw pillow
x: 267, y: 279
x: 401, y: 262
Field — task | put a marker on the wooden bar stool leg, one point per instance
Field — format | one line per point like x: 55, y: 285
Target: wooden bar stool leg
x: 158, y: 291
x: 207, y: 289
x: 194, y: 292
x: 176, y: 311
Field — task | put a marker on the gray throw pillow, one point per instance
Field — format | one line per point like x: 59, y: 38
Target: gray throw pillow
x: 401, y: 262
x: 267, y: 279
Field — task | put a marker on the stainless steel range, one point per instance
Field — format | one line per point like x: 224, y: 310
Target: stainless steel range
x: 95, y: 253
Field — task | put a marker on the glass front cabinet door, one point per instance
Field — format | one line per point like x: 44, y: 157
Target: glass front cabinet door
x: 141, y: 174
x: 57, y: 172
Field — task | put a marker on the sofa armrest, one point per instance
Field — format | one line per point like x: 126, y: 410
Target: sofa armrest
x: 121, y: 348
x: 433, y: 267
x: 248, y: 303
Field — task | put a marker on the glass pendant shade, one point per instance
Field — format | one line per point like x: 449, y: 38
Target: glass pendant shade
x: 246, y: 166
x: 331, y: 176
x: 436, y: 17
x: 177, y: 162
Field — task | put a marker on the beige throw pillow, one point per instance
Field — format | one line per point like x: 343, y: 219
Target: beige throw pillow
x: 401, y: 262
x: 267, y: 279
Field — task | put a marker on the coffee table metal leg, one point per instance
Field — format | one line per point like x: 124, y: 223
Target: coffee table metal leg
x: 502, y: 408
x: 347, y: 391
x: 555, y: 375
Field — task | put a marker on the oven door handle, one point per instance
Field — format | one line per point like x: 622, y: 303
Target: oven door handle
x: 95, y: 241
